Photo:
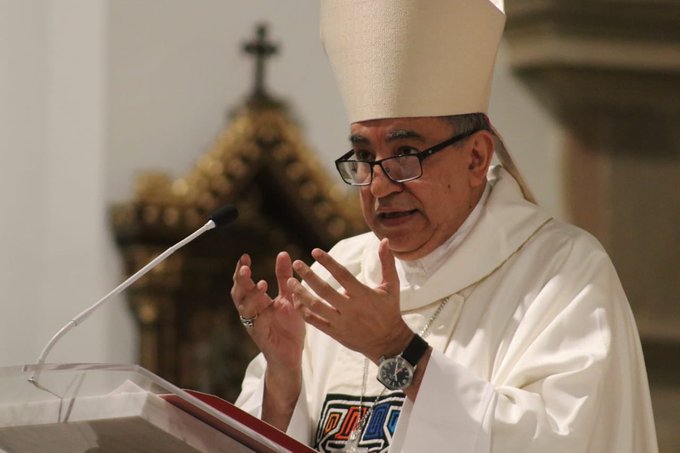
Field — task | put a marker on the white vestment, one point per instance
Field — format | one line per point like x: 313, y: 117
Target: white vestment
x: 535, y: 350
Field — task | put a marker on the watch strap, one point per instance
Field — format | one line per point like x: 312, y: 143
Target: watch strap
x: 415, y: 350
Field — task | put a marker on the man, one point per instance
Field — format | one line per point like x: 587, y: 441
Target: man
x: 489, y: 325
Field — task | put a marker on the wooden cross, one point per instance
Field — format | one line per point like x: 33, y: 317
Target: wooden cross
x: 261, y: 49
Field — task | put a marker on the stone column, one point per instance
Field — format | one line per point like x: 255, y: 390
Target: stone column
x: 609, y: 72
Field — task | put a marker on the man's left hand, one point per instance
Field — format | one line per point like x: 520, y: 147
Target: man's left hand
x: 364, y: 319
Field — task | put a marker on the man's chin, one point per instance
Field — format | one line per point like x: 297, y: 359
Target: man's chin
x: 404, y: 249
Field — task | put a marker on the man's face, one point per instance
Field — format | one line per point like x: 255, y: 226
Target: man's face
x: 418, y: 216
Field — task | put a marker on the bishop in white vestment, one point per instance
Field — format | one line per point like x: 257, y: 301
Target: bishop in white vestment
x: 468, y: 320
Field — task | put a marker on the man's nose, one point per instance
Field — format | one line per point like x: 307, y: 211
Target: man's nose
x: 381, y: 185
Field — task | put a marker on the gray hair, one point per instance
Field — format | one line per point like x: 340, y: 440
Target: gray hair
x: 469, y: 122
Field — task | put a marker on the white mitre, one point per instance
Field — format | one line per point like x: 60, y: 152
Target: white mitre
x: 414, y: 58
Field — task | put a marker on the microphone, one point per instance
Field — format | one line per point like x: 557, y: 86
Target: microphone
x: 224, y: 215
x: 221, y: 217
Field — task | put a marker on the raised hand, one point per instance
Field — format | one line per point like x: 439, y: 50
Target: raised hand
x: 364, y: 319
x: 277, y: 328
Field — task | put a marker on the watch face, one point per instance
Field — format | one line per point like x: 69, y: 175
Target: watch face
x: 395, y: 373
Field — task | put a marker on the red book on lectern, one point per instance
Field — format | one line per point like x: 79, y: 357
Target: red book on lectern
x: 264, y: 429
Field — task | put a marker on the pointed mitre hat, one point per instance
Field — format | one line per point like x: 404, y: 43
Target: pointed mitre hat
x: 414, y: 58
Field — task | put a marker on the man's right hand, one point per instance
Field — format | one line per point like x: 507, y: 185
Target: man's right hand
x: 278, y: 331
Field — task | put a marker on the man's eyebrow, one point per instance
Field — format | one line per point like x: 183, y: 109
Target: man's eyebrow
x: 404, y: 133
x: 357, y: 139
x: 399, y: 134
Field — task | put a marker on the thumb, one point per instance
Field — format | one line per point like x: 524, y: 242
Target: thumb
x: 284, y: 271
x: 390, y: 278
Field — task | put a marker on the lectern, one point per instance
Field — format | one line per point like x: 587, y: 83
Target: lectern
x: 105, y: 408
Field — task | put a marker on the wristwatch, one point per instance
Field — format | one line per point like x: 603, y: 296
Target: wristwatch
x: 396, y: 373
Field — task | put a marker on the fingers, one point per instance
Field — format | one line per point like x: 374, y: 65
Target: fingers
x: 390, y: 277
x: 338, y: 271
x: 284, y: 271
x: 320, y: 287
x: 313, y: 310
x: 242, y: 279
x: 249, y: 297
x: 243, y: 261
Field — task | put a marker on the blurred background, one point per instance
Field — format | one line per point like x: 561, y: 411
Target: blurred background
x: 113, y: 111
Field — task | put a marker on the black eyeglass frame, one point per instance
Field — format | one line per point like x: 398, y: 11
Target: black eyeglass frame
x: 422, y: 155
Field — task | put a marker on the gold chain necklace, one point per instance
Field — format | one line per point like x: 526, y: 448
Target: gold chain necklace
x: 352, y: 445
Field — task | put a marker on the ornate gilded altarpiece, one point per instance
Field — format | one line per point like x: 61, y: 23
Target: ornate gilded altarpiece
x: 189, y: 328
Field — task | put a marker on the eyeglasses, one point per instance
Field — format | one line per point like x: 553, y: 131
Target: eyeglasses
x: 402, y: 168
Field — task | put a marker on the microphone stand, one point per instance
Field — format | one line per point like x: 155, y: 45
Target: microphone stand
x: 220, y: 217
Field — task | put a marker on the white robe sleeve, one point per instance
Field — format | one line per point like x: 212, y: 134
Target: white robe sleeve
x: 571, y: 380
x: 452, y: 412
x: 538, y: 409
x: 252, y: 395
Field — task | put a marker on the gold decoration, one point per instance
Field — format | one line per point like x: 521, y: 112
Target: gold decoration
x: 286, y: 201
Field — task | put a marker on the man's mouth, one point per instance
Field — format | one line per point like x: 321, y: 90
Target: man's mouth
x: 395, y: 214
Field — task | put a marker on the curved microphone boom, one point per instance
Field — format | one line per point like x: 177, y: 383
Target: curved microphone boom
x: 221, y: 217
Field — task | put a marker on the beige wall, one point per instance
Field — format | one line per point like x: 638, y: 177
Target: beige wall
x: 94, y: 91
x: 56, y: 256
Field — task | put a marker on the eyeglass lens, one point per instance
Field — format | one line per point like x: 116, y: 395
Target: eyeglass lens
x: 398, y: 169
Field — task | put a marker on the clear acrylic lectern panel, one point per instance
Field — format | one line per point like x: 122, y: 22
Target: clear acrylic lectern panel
x: 120, y: 408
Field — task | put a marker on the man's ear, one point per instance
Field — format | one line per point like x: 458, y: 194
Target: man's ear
x: 482, y: 145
